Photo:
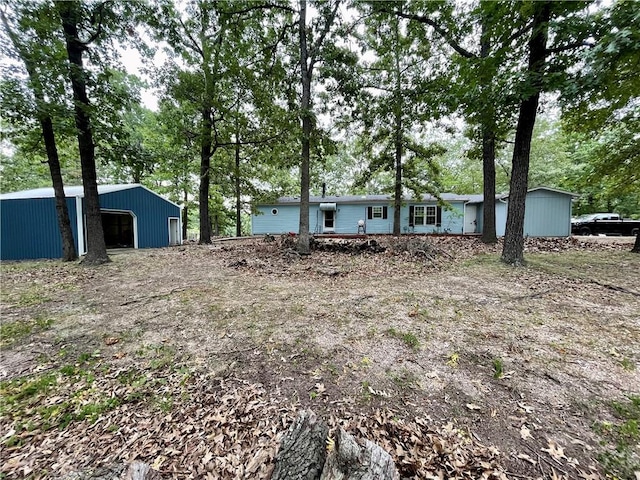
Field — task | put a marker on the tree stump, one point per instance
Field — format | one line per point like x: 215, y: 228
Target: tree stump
x: 303, y: 449
x: 358, y: 461
x: 141, y: 471
x: 302, y: 455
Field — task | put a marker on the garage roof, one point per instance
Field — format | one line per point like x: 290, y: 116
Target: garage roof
x: 71, y: 191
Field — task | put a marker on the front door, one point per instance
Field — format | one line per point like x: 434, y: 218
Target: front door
x: 329, y: 221
x: 470, y: 219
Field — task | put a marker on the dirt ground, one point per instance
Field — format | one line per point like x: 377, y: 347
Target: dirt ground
x: 458, y: 365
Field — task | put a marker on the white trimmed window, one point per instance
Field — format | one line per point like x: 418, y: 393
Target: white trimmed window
x: 377, y: 213
x: 425, y: 215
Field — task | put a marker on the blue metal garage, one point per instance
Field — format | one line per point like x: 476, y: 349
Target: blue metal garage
x: 132, y: 217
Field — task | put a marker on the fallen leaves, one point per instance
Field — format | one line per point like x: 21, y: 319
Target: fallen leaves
x: 525, y: 433
x: 555, y: 450
x: 219, y: 429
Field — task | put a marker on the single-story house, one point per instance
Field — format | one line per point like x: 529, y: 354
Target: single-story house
x: 547, y: 214
x: 132, y: 217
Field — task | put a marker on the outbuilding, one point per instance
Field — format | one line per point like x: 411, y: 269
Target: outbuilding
x: 132, y: 217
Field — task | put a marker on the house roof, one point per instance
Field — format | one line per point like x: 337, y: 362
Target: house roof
x: 368, y: 199
x: 69, y: 191
x: 449, y: 197
x: 75, y: 191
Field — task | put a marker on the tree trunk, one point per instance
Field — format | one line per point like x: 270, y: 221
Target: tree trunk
x: 302, y: 451
x: 397, y: 196
x: 237, y: 181
x: 69, y: 252
x: 96, y: 247
x: 205, y: 178
x: 488, y: 140
x: 636, y: 246
x: 397, y: 138
x: 185, y: 215
x: 305, y: 111
x: 513, y: 249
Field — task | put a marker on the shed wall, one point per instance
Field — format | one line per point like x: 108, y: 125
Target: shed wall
x: 30, y: 228
x: 547, y: 214
x: 501, y: 218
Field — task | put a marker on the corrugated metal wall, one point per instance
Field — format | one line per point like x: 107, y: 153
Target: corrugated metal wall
x: 152, y: 214
x: 547, y: 214
x: 29, y: 228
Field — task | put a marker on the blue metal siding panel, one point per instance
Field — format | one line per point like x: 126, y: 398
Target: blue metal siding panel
x: 286, y: 220
x: 29, y: 228
x: 547, y: 214
x: 152, y: 213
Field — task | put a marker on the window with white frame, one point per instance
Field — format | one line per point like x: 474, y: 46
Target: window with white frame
x: 425, y: 215
x: 431, y: 215
x: 377, y: 212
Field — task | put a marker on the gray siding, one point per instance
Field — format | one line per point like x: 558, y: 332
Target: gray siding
x: 547, y: 214
x: 501, y: 218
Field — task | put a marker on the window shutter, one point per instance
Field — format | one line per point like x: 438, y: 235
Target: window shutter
x: 439, y: 216
x: 411, y: 215
x: 384, y: 213
x: 369, y: 213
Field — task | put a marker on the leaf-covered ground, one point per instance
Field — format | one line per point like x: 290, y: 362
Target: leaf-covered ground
x: 195, y: 359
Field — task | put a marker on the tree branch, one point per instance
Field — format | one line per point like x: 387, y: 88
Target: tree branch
x: 264, y: 6
x: 194, y: 45
x: 570, y: 46
x: 313, y: 51
x: 98, y: 32
x: 520, y: 32
x: 439, y: 30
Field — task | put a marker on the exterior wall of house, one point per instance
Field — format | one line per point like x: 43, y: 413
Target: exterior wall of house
x: 373, y: 226
x: 152, y: 213
x: 30, y: 230
x: 452, y: 219
x: 275, y: 219
x: 547, y: 214
x: 346, y: 218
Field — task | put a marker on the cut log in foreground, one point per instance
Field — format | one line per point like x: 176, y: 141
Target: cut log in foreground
x: 141, y: 471
x: 303, y: 450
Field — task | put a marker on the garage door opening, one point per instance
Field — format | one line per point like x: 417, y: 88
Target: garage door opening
x: 118, y: 229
